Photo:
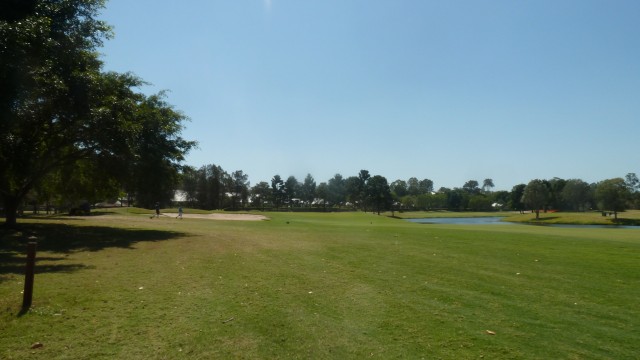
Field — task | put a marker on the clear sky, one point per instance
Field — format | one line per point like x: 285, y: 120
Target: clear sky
x: 446, y: 90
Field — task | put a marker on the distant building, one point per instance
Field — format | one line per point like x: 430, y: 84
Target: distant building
x: 179, y: 197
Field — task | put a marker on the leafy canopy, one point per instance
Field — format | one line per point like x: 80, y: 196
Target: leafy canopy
x: 58, y: 108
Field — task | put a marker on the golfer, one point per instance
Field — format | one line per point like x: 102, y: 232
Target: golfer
x: 179, y: 213
x: 157, y: 209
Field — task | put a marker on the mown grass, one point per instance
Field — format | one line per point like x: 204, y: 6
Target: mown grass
x: 346, y: 285
x: 629, y: 217
x: 444, y: 214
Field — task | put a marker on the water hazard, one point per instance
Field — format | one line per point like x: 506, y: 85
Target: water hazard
x: 497, y: 220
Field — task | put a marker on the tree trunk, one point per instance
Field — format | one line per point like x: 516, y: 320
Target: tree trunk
x: 537, y: 214
x: 11, y: 211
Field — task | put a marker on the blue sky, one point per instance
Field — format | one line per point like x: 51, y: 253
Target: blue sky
x: 446, y: 90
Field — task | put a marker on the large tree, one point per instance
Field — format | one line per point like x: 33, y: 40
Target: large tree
x: 278, y: 192
x: 239, y: 188
x: 308, y: 189
x: 633, y: 184
x: 189, y: 180
x: 337, y: 190
x: 576, y: 194
x: 57, y: 107
x: 515, y: 200
x: 399, y: 188
x: 155, y: 151
x: 353, y: 190
x: 556, y: 185
x: 363, y: 177
x: 260, y: 194
x: 292, y: 189
x: 322, y: 191
x: 457, y: 199
x: 612, y: 195
x: 426, y: 186
x: 487, y: 185
x: 379, y: 193
x: 209, y: 186
x: 536, y: 195
x: 471, y: 187
x: 413, y: 186
x: 48, y: 65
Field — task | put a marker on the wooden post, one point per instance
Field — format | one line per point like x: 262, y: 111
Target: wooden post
x: 29, y: 274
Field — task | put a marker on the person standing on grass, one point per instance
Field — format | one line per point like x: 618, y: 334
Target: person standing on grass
x: 179, y: 213
x: 157, y: 210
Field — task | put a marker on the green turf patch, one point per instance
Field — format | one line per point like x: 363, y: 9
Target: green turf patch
x: 627, y: 218
x: 305, y: 285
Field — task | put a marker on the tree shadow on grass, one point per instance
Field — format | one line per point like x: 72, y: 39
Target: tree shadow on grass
x: 56, y: 241
x: 546, y: 218
x: 626, y: 222
x: 543, y: 220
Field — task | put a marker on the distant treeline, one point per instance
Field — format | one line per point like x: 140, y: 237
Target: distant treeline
x: 210, y: 187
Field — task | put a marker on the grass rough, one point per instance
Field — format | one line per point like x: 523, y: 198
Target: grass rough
x: 304, y: 285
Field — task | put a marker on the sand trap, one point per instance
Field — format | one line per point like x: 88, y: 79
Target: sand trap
x: 232, y: 217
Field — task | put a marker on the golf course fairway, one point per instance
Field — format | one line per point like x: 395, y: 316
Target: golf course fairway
x: 317, y: 286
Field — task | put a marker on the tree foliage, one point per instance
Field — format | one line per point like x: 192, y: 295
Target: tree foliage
x: 238, y: 188
x: 291, y: 189
x: 399, y: 188
x: 308, y: 189
x: 426, y: 186
x: 379, y: 193
x: 337, y: 190
x: 155, y: 152
x: 278, y: 193
x: 487, y: 185
x: 322, y: 192
x: 260, y: 194
x: 577, y: 194
x: 59, y: 109
x: 206, y: 188
x: 536, y: 195
x: 612, y: 195
x: 632, y: 182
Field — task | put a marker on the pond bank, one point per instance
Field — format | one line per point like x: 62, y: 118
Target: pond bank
x: 500, y: 220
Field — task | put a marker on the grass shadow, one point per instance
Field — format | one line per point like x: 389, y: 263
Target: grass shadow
x: 546, y: 218
x: 626, y: 222
x: 542, y: 220
x: 65, y: 239
x: 65, y: 217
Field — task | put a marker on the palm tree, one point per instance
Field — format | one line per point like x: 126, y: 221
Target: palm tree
x: 487, y: 185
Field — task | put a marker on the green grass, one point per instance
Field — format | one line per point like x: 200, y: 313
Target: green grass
x: 301, y: 285
x: 630, y: 217
x: 444, y: 214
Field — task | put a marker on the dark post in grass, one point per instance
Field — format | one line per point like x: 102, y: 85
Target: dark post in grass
x: 29, y: 274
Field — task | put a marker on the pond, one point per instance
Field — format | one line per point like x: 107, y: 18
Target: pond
x: 496, y: 220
